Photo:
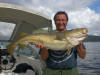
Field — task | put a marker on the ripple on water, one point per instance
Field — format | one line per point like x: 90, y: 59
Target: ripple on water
x: 90, y: 65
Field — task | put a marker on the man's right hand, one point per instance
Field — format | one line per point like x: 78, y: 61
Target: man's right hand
x: 44, y: 52
x: 38, y: 45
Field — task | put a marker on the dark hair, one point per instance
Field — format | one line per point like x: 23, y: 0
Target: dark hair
x: 61, y: 12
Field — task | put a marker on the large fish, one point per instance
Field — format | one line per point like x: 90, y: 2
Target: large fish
x: 52, y: 40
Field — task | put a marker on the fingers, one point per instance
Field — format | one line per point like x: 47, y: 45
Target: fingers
x: 39, y: 45
x: 81, y: 42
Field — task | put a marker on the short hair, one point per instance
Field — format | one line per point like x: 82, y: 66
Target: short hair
x: 61, y: 12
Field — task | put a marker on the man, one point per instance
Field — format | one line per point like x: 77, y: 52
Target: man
x: 58, y: 62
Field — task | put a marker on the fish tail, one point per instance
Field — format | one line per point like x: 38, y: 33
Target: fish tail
x: 10, y: 48
x: 22, y: 46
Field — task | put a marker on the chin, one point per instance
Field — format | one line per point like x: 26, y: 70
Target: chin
x: 61, y: 28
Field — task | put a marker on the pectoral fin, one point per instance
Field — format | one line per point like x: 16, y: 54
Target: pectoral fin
x: 22, y: 46
x: 21, y: 35
x: 69, y: 51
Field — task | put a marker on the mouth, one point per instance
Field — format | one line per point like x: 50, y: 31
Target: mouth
x: 82, y: 37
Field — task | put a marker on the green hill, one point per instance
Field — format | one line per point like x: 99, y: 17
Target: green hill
x: 92, y: 38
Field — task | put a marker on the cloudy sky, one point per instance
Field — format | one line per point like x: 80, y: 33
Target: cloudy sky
x: 82, y: 13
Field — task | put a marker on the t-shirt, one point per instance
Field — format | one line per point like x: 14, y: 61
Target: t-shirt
x: 60, y: 59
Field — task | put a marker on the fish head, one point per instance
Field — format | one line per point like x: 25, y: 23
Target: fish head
x: 75, y: 36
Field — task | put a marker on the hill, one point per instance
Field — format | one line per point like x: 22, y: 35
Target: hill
x: 92, y: 38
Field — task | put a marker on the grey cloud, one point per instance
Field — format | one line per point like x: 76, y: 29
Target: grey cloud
x: 64, y: 4
x: 12, y: 2
x: 4, y: 37
x: 53, y: 4
x: 6, y: 30
x: 85, y: 18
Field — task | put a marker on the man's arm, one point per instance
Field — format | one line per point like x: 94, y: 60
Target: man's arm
x: 81, y: 51
x: 43, y: 52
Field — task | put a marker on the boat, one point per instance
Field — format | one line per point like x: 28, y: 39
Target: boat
x: 28, y: 61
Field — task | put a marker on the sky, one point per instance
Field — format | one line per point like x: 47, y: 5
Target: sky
x: 81, y: 13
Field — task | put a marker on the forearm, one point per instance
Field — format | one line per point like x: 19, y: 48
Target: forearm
x: 44, y: 54
x: 81, y: 51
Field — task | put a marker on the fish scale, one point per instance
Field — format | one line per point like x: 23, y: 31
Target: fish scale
x: 51, y: 40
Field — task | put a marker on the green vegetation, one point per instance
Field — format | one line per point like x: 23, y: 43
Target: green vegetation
x: 92, y: 38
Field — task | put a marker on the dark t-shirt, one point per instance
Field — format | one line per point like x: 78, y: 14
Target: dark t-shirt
x: 60, y: 59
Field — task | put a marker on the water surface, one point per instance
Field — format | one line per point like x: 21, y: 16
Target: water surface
x: 91, y: 64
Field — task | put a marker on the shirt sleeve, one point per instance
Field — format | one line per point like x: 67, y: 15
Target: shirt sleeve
x: 83, y: 46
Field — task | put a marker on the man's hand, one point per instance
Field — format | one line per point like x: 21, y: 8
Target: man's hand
x: 80, y: 44
x: 38, y: 45
x: 44, y: 52
x: 81, y: 51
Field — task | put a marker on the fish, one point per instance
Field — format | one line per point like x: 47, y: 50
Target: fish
x: 53, y: 40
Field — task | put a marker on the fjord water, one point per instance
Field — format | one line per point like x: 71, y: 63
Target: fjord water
x: 91, y: 64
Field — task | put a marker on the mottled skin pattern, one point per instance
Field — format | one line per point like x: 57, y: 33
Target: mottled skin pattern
x: 54, y: 41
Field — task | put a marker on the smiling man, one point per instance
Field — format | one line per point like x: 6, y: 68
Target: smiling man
x: 59, y: 62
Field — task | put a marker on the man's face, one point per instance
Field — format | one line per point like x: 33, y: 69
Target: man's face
x: 61, y: 22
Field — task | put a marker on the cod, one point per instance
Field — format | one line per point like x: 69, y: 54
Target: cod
x: 52, y: 40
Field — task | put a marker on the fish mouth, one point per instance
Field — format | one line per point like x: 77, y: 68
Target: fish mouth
x: 82, y: 37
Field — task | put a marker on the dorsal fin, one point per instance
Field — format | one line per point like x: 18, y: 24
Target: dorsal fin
x: 21, y: 35
x: 52, y: 32
x: 40, y: 31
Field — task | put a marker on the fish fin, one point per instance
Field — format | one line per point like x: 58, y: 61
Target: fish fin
x: 69, y: 51
x: 22, y: 46
x: 40, y: 31
x: 11, y: 48
x: 21, y: 35
x: 44, y: 31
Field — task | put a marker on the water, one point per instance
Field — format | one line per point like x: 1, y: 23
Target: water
x: 91, y: 64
